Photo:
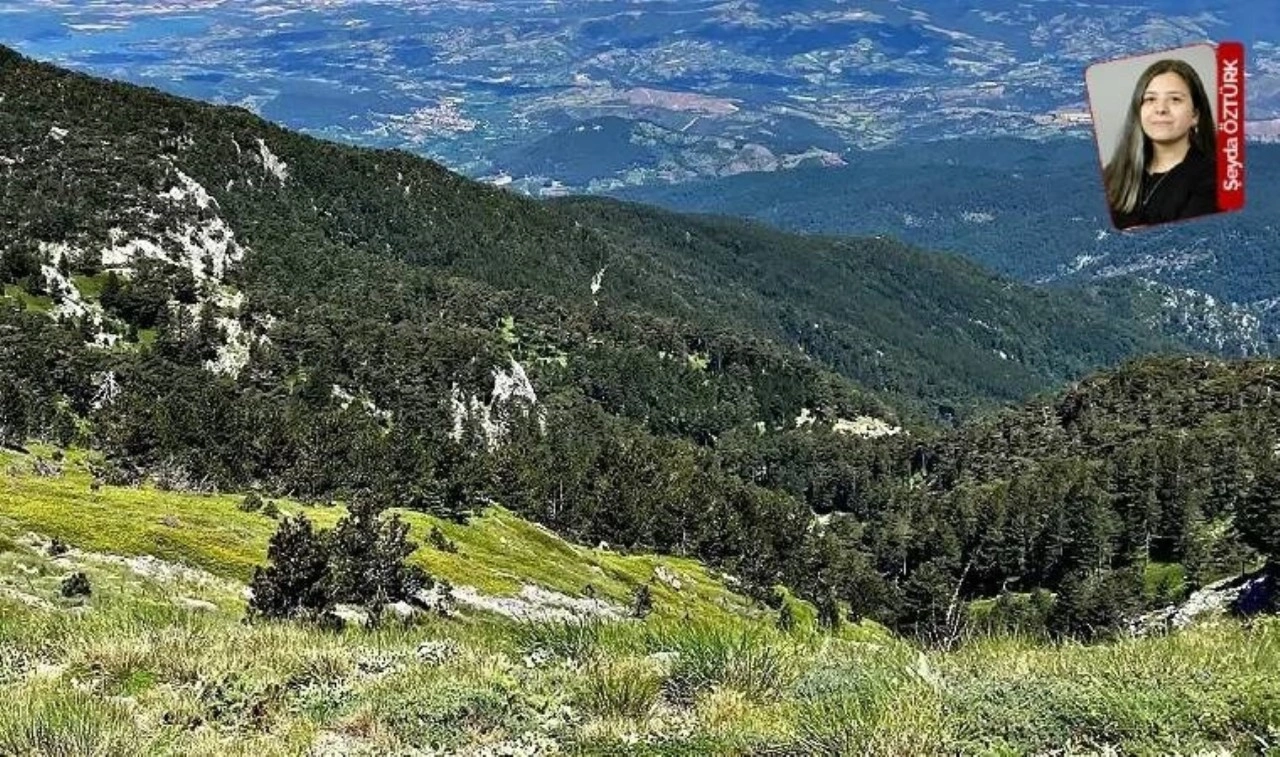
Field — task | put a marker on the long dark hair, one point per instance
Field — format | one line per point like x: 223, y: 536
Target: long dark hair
x: 1123, y: 174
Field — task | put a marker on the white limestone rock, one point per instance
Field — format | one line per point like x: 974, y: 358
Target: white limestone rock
x: 271, y: 164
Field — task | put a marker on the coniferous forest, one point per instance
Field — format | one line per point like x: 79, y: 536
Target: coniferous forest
x: 214, y: 303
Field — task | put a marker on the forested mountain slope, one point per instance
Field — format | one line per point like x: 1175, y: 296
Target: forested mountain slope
x: 214, y: 302
x: 1034, y: 211
x: 83, y: 157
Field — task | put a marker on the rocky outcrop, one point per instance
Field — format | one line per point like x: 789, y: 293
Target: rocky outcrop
x: 1243, y: 595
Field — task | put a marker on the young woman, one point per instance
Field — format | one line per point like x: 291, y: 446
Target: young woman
x: 1162, y: 169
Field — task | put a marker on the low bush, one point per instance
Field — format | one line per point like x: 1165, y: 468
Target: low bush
x: 76, y: 585
x: 361, y: 561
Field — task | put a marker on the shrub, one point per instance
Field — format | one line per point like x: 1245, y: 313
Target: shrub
x: 1094, y: 604
x: 297, y: 580
x: 367, y: 559
x: 362, y: 562
x: 829, y: 611
x: 76, y: 585
x: 642, y: 601
x: 786, y: 618
x: 251, y: 503
x: 441, y: 542
x: 1014, y: 613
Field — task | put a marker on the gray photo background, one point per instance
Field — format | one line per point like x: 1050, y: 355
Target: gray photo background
x: 1110, y: 85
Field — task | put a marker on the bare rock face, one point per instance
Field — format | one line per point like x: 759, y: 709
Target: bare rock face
x: 1243, y: 595
x: 533, y: 604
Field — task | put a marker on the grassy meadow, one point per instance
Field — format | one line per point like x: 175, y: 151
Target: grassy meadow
x: 158, y: 661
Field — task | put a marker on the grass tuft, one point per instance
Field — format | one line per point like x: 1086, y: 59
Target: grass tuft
x: 626, y: 687
x: 566, y: 639
x: 51, y: 718
x: 756, y: 661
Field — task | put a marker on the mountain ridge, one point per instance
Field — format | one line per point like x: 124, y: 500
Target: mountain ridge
x: 1033, y: 211
x: 392, y: 203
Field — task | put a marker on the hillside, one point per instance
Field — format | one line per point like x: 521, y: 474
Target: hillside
x: 238, y: 307
x: 893, y: 318
x: 177, y: 178
x: 203, y: 311
x: 156, y: 659
x: 495, y: 556
x: 1034, y: 211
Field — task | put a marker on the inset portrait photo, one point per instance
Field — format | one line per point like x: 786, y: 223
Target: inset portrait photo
x: 1155, y: 119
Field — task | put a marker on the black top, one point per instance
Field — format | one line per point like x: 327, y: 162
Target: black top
x: 1187, y: 190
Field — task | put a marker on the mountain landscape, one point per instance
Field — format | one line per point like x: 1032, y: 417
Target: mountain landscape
x: 487, y: 474
x: 1033, y: 211
x: 693, y: 89
x: 967, y: 129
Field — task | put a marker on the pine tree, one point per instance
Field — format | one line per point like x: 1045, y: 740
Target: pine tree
x: 1091, y: 527
x: 207, y: 338
x: 297, y: 580
x: 109, y: 296
x: 367, y: 558
x: 927, y: 595
x: 1195, y: 543
x: 1258, y: 515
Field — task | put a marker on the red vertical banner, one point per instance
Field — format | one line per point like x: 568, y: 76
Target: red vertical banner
x: 1230, y: 126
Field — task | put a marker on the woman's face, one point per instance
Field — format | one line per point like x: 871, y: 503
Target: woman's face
x: 1167, y: 111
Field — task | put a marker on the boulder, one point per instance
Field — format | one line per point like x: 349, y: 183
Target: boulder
x: 668, y: 577
x: 437, y: 598
x: 1243, y: 595
x: 402, y: 610
x: 353, y: 614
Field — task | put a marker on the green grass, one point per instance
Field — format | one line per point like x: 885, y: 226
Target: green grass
x: 140, y: 667
x: 38, y: 303
x: 497, y: 553
x: 53, y: 718
x: 203, y: 683
x: 90, y: 286
x: 1188, y: 692
x: 1164, y: 582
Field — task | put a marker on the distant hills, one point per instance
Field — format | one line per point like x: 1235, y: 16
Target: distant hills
x: 713, y: 88
x: 1033, y: 211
